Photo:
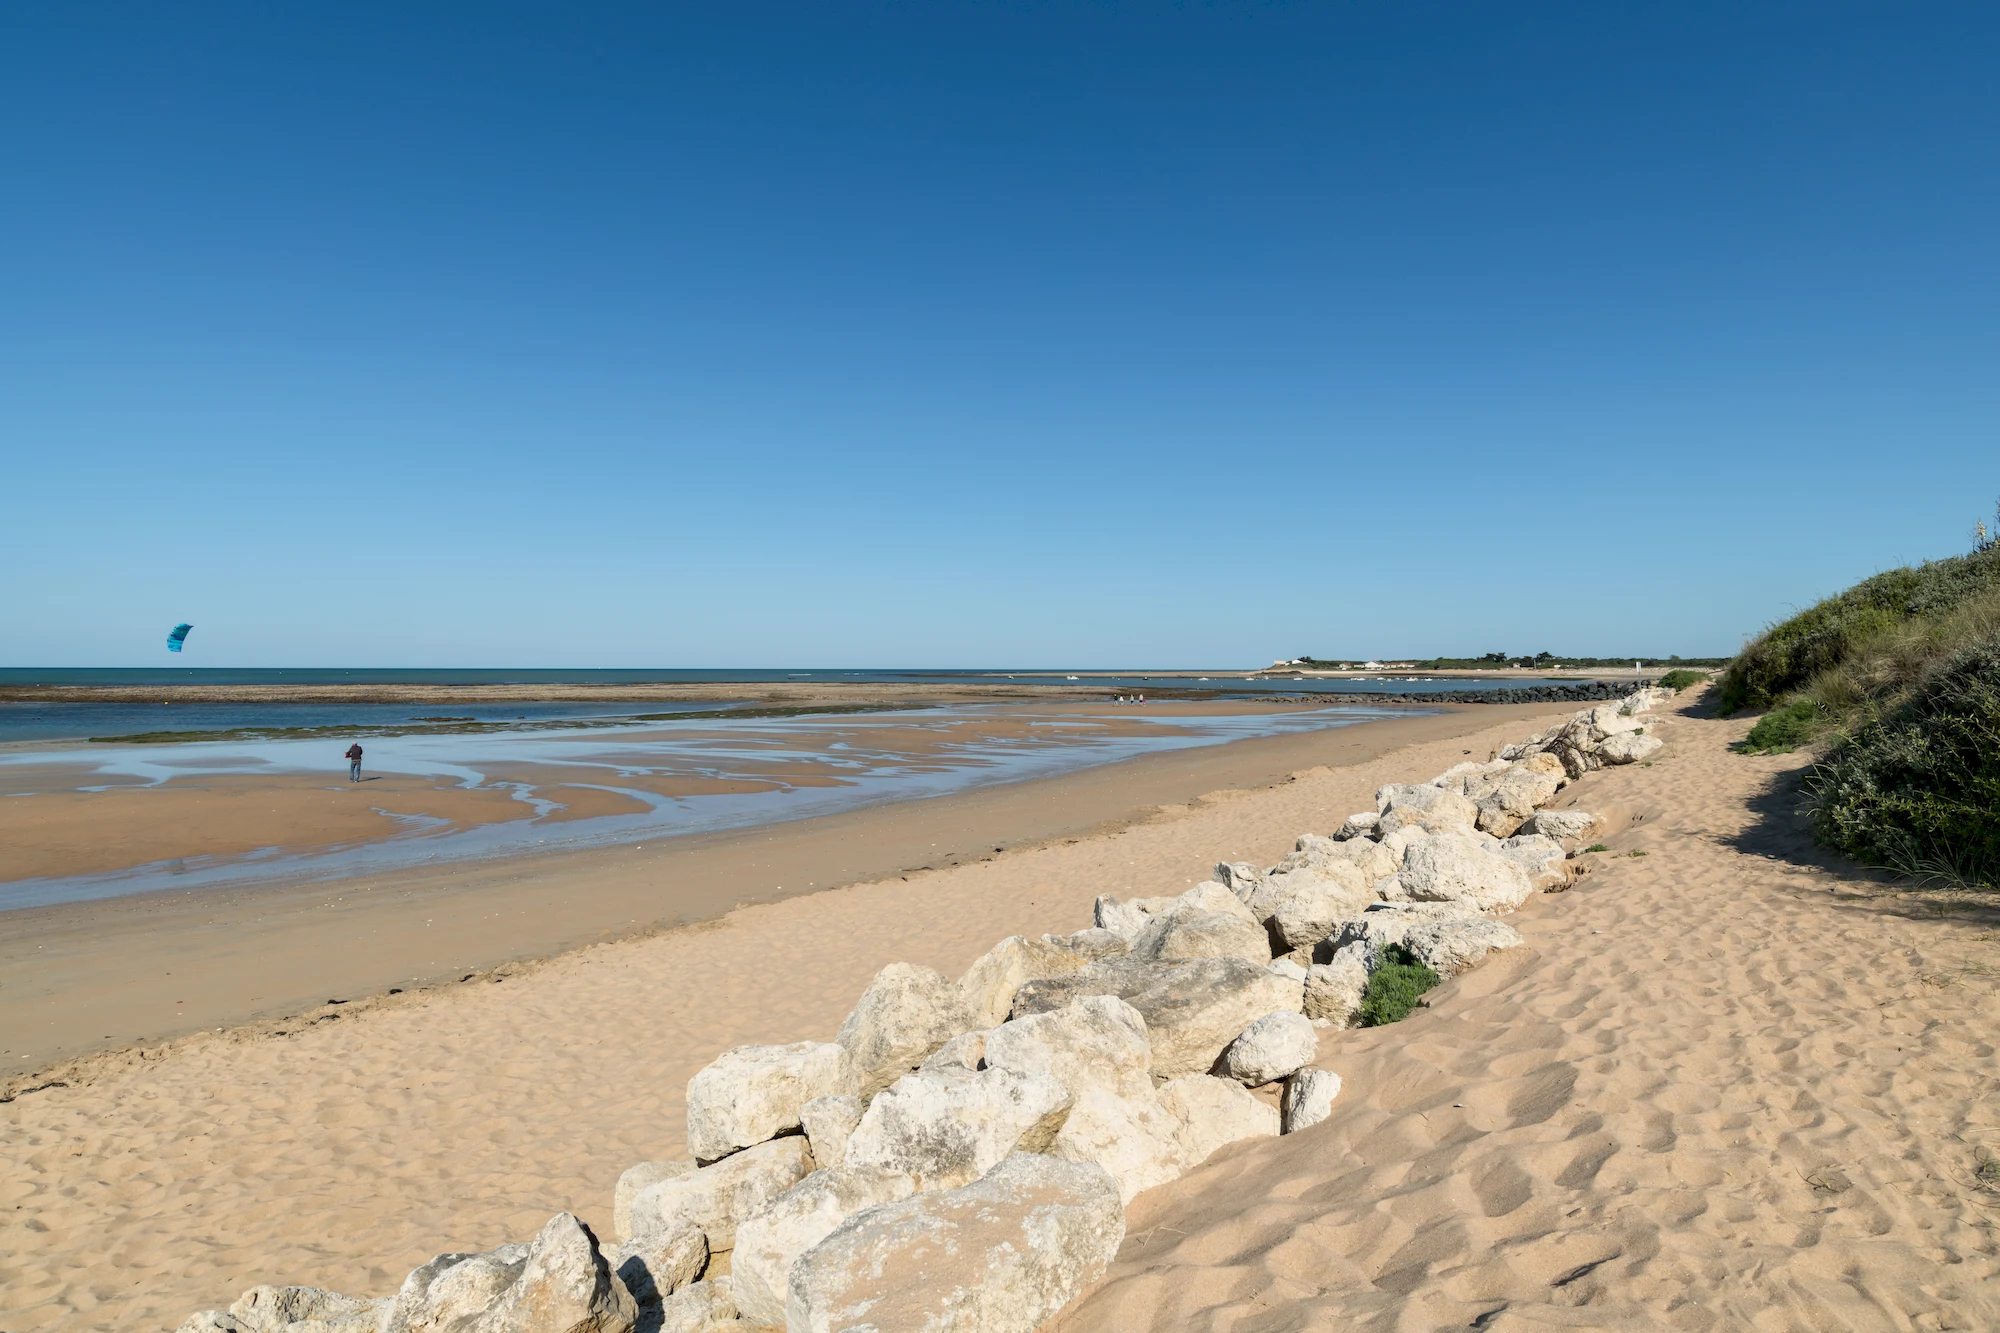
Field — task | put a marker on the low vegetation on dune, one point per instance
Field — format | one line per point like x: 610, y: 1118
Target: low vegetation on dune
x: 1897, y: 682
x: 1681, y: 678
x: 1395, y: 988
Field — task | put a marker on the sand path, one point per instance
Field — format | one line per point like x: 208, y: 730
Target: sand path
x: 1725, y: 1087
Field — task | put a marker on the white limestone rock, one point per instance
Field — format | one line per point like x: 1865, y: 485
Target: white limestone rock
x: 1094, y: 944
x: 1289, y: 968
x: 949, y: 1126
x: 1361, y: 825
x: 964, y: 1051
x: 1614, y: 719
x: 1541, y: 858
x: 658, y: 1264
x: 270, y: 1309
x: 557, y: 1283
x: 634, y: 1179
x: 1424, y: 806
x: 1334, y: 989
x: 1239, y: 877
x: 1562, y: 825
x: 829, y: 1122
x: 716, y: 1198
x: 1308, y: 1098
x: 906, y: 1013
x: 1131, y: 1135
x: 800, y: 1218
x: 704, y: 1307
x: 1211, y: 1113
x: 1309, y: 913
x: 1371, y: 858
x: 749, y: 1094
x: 988, y: 986
x: 1450, y: 947
x: 1214, y: 896
x: 1274, y: 1047
x: 1191, y: 933
x: 1093, y: 1041
x: 1001, y: 1255
x: 1627, y: 748
x: 1193, y: 1007
x: 1506, y: 799
x: 1449, y: 866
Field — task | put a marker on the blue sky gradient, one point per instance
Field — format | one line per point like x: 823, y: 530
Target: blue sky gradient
x: 957, y: 335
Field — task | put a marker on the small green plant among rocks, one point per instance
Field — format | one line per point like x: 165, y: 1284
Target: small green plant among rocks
x: 1597, y: 847
x: 1395, y: 988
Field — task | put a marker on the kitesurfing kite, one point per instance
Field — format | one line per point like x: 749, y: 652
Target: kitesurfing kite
x: 177, y: 637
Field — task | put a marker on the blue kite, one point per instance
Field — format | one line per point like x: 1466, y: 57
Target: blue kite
x: 177, y: 637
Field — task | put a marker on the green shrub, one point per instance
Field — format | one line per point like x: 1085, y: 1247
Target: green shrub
x: 1680, y: 678
x: 1788, y: 655
x: 1393, y: 990
x: 1917, y: 790
x: 1783, y: 728
x: 1597, y: 847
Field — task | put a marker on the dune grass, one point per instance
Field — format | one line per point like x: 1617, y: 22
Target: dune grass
x: 1681, y: 677
x: 1896, y: 683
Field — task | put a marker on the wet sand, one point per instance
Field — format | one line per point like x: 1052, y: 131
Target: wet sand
x: 86, y: 976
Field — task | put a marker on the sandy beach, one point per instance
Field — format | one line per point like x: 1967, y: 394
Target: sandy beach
x: 1727, y: 1085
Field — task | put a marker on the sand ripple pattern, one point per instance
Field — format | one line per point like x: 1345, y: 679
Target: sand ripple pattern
x: 1725, y: 1090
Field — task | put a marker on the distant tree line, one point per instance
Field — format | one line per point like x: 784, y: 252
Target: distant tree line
x: 1491, y: 660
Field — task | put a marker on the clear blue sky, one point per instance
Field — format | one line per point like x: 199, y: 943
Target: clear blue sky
x: 841, y: 334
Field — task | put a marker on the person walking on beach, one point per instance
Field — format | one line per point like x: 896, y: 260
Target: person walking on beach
x: 354, y: 762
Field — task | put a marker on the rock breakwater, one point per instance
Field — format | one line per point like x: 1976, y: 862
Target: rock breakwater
x: 959, y: 1156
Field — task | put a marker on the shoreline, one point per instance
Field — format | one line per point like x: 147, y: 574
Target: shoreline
x: 84, y: 977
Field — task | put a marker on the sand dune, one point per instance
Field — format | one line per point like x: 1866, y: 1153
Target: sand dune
x: 1723, y: 1088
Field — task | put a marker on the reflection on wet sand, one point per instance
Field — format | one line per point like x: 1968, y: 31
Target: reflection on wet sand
x: 111, y: 820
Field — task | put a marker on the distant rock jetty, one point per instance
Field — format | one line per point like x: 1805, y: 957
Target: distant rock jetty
x: 960, y: 1155
x: 1589, y: 691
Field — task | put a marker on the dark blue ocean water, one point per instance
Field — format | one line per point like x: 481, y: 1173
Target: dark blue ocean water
x: 70, y: 721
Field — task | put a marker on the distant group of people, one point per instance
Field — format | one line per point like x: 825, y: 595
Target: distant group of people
x: 1130, y: 699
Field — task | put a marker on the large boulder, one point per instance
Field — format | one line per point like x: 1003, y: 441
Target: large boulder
x: 557, y: 1283
x: 453, y: 1292
x: 1000, y: 1255
x: 1239, y: 877
x: 1541, y: 858
x: 1131, y: 1135
x: 1334, y: 989
x: 1310, y: 913
x: 1614, y: 719
x: 1421, y: 805
x: 1360, y: 825
x: 1193, y: 1007
x: 1450, y: 947
x: 1308, y: 1098
x: 271, y: 1309
x: 1506, y: 799
x: 1562, y: 825
x: 829, y: 1122
x: 946, y: 1127
x: 1093, y: 1041
x: 752, y: 1093
x: 1627, y: 748
x: 658, y: 1264
x: 906, y: 1013
x: 1211, y: 1113
x: 988, y: 986
x: 717, y: 1198
x: 1451, y: 866
x: 1191, y: 933
x: 635, y: 1179
x: 1274, y: 1047
x: 1093, y: 944
x: 800, y: 1218
x: 704, y: 1307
